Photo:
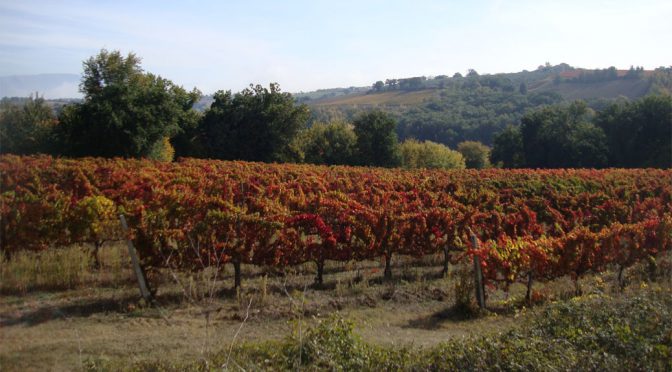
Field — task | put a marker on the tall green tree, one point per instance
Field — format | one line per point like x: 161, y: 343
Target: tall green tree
x: 476, y: 155
x: 639, y: 134
x: 563, y: 136
x: 507, y: 150
x: 522, y: 88
x: 328, y: 143
x: 378, y: 86
x: 257, y: 124
x: 27, y: 127
x: 126, y: 112
x: 377, y: 143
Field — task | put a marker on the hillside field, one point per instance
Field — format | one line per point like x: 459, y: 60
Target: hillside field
x: 631, y: 89
x: 393, y: 98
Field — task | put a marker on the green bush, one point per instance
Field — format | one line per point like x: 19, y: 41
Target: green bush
x: 162, y: 150
x: 430, y: 155
x: 476, y: 155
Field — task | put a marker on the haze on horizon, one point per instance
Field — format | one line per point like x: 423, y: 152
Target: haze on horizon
x: 309, y: 45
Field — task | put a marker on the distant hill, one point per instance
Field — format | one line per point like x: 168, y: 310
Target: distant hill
x: 475, y: 107
x: 631, y: 89
x: 49, y: 86
x: 569, y: 82
x: 443, y: 109
x: 390, y: 98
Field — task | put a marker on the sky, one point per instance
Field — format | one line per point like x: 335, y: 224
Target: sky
x: 314, y: 44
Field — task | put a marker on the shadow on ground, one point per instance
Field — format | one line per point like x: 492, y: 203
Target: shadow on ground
x: 456, y: 314
x: 80, y: 309
x: 435, y: 320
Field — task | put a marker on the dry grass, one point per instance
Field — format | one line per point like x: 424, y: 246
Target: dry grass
x: 64, y: 268
x: 96, y: 313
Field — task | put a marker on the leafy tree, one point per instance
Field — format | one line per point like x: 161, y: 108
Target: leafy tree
x: 589, y: 146
x: 661, y: 81
x: 522, y: 89
x: 187, y: 142
x: 377, y: 143
x: 391, y: 83
x: 328, y: 143
x: 507, y: 150
x: 472, y: 73
x: 378, y: 86
x: 125, y: 112
x: 26, y: 128
x: 634, y: 73
x: 639, y: 134
x: 413, y: 83
x: 257, y: 124
x: 428, y: 154
x: 467, y: 111
x: 593, y: 76
x: 563, y: 137
x: 94, y: 220
x: 162, y: 150
x: 476, y: 155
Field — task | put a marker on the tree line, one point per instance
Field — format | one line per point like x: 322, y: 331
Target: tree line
x: 476, y: 107
x: 127, y: 112
x: 635, y: 134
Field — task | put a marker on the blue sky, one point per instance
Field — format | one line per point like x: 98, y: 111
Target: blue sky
x: 306, y: 45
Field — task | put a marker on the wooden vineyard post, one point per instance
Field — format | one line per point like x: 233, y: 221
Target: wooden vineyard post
x: 142, y: 281
x: 528, y: 294
x: 478, y: 275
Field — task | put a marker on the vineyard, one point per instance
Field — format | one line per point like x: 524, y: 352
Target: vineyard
x: 524, y: 225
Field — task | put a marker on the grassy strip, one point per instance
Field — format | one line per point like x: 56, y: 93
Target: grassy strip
x: 61, y: 269
x: 624, y: 333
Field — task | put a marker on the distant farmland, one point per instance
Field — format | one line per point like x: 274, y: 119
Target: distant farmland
x: 384, y: 98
